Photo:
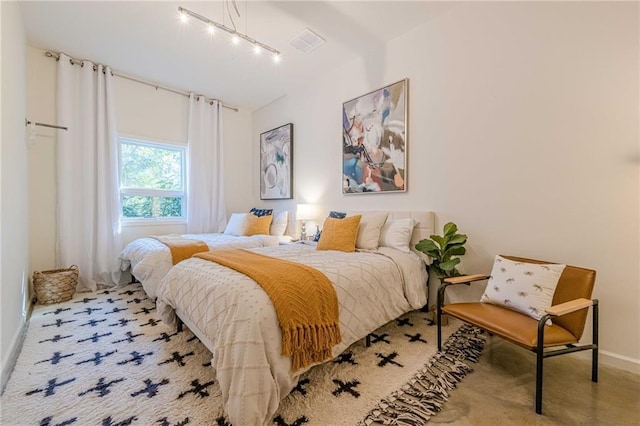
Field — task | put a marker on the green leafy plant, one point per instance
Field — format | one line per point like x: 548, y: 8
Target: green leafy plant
x: 442, y: 249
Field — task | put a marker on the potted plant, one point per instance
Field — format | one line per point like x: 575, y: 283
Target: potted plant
x: 443, y: 249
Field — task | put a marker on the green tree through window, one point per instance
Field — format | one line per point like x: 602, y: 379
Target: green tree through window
x: 152, y: 179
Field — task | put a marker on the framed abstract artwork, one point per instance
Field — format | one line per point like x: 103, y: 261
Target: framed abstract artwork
x: 276, y: 168
x: 374, y: 141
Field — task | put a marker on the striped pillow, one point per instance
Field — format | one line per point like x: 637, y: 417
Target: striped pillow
x: 261, y: 212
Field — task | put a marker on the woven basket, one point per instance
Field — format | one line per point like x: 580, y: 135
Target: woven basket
x: 55, y: 286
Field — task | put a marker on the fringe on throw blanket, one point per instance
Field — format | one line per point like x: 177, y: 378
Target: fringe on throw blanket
x: 308, y: 344
x: 426, y: 392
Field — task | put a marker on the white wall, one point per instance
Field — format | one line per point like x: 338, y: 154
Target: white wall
x: 41, y: 107
x: 523, y: 129
x: 14, y: 252
x: 142, y: 111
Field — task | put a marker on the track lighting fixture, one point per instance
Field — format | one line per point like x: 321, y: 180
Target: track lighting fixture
x: 236, y: 35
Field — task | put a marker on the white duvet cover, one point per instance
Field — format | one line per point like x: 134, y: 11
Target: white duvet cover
x: 236, y: 320
x: 150, y: 260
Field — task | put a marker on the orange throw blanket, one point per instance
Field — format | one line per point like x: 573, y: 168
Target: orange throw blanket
x: 182, y: 248
x: 305, y: 301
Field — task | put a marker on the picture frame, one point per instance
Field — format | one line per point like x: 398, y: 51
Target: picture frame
x: 374, y: 141
x: 276, y: 163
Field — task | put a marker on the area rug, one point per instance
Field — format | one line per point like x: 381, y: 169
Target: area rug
x: 106, y: 359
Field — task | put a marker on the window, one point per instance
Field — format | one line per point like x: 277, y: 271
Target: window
x: 152, y: 180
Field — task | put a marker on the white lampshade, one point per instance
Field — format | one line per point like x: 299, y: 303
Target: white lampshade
x: 305, y: 212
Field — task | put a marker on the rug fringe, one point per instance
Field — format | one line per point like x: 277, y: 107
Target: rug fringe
x: 426, y: 392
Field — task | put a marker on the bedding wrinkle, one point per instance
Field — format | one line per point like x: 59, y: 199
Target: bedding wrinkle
x: 181, y: 248
x: 305, y: 302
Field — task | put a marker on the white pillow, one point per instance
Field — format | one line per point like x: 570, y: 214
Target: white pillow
x: 236, y: 224
x: 397, y: 234
x: 524, y: 287
x: 369, y: 230
x: 279, y: 224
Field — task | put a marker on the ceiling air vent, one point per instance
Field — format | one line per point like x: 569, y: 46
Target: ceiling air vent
x: 307, y: 41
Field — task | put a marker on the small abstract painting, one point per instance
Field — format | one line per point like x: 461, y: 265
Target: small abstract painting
x: 374, y: 141
x: 276, y: 171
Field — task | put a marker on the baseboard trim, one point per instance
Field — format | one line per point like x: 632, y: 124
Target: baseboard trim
x: 16, y: 347
x: 611, y: 359
x: 620, y: 361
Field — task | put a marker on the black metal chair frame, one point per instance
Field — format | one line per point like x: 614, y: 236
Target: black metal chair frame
x: 541, y: 354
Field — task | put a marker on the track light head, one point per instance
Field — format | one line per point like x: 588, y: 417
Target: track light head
x: 184, y: 17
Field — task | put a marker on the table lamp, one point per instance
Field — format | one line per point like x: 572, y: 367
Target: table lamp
x: 304, y: 212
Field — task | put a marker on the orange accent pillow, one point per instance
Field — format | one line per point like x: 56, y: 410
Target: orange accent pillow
x: 339, y: 234
x: 257, y: 225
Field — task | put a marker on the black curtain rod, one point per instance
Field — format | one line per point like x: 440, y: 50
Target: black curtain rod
x: 53, y: 126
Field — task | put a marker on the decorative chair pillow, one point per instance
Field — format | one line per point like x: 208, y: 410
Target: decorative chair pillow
x: 236, y: 223
x: 397, y: 234
x: 339, y: 234
x: 524, y: 287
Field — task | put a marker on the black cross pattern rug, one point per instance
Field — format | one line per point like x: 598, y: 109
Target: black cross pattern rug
x: 106, y: 359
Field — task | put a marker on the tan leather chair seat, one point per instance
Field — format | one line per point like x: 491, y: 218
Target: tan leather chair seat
x: 508, y: 324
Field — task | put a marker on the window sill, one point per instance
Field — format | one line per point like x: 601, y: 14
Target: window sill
x: 152, y: 222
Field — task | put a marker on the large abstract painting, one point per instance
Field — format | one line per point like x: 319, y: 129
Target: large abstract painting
x: 276, y: 154
x: 374, y: 141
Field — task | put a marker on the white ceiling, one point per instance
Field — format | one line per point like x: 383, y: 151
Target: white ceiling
x: 147, y: 40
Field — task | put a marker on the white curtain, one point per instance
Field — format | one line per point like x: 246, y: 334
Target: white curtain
x: 206, y: 210
x: 88, y: 233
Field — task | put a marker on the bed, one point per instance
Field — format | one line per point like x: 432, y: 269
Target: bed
x: 149, y: 260
x: 236, y: 320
